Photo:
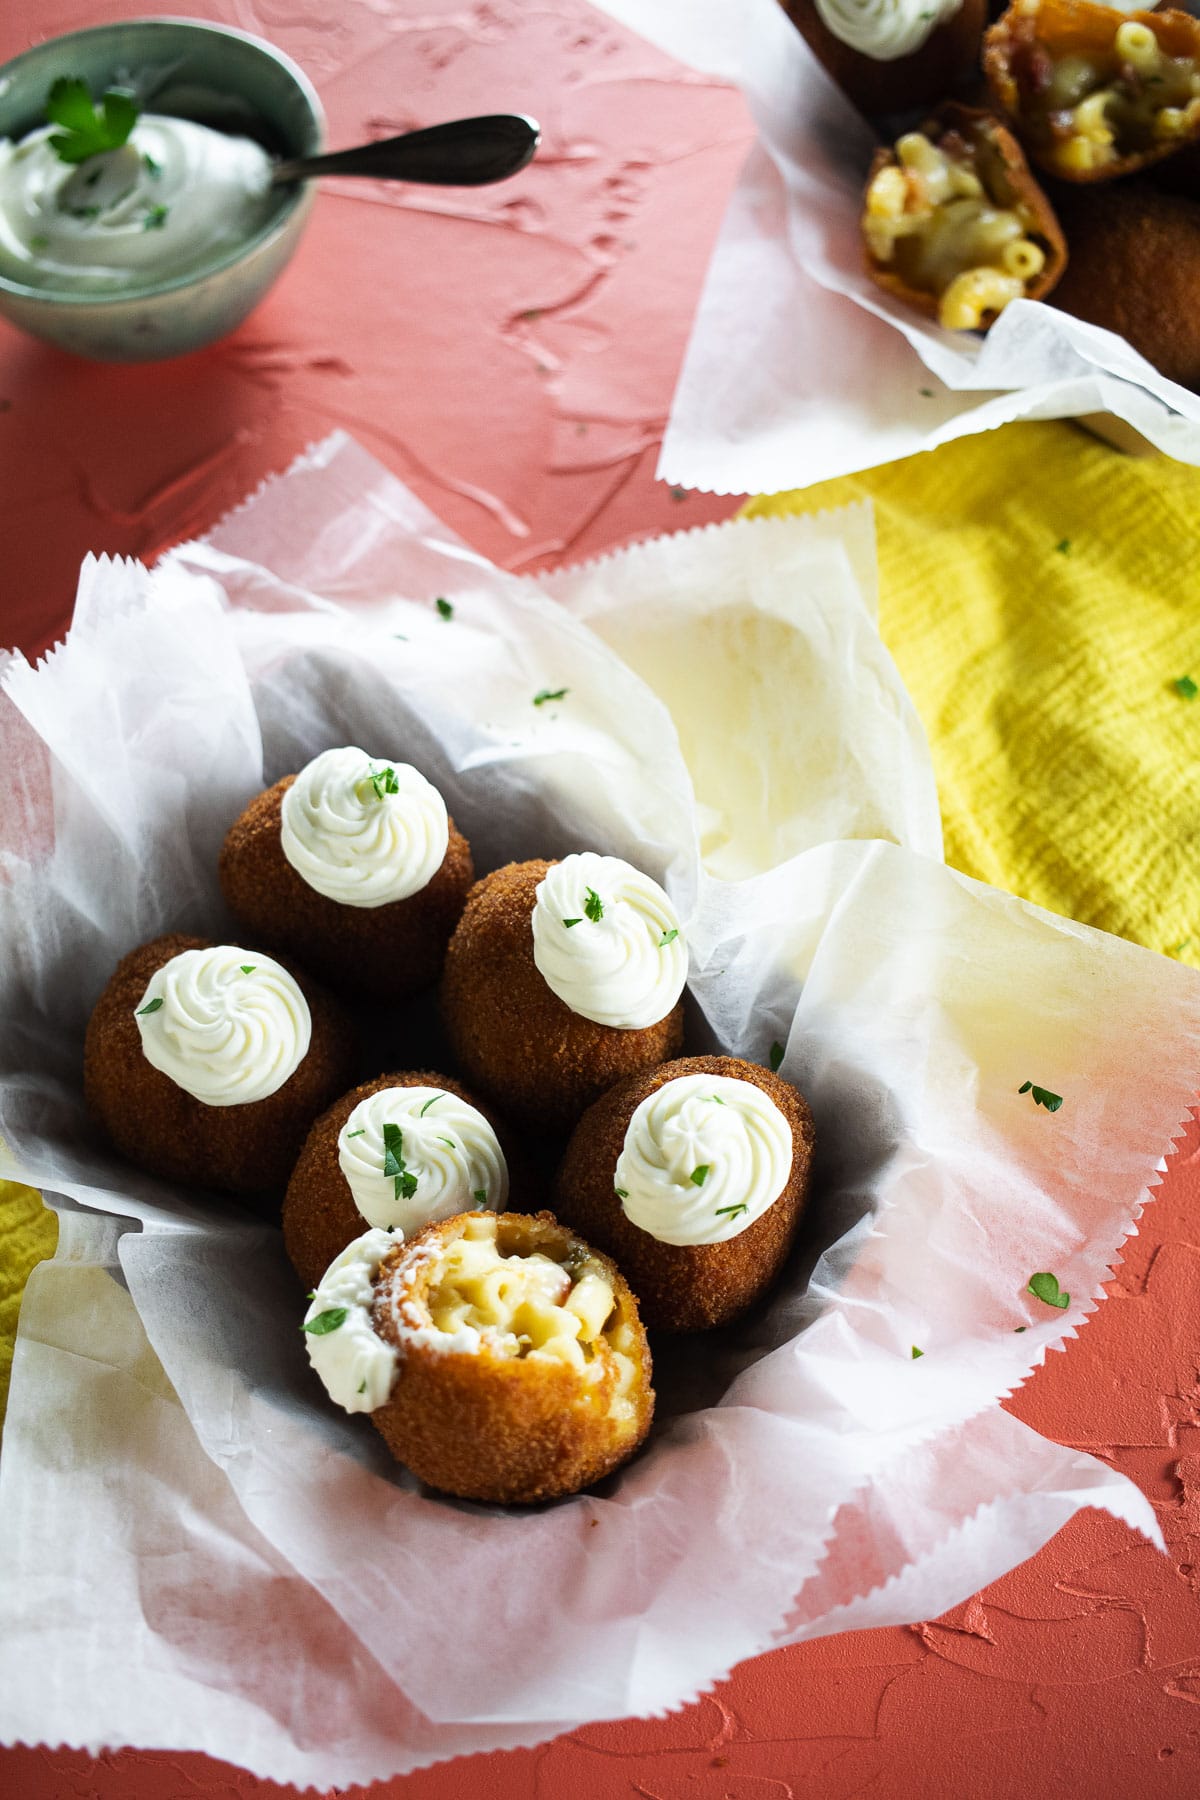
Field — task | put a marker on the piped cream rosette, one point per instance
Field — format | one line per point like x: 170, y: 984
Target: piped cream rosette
x: 704, y: 1157
x: 411, y: 1155
x: 355, y: 1365
x: 363, y: 832
x: 885, y: 30
x: 228, y: 1026
x: 607, y: 941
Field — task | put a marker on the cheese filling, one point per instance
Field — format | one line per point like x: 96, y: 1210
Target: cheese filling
x: 519, y: 1304
x: 930, y: 218
x: 1091, y: 110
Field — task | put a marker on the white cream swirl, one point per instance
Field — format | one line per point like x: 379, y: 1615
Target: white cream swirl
x: 361, y: 831
x: 353, y: 1361
x: 885, y: 29
x: 228, y: 1026
x: 704, y: 1156
x: 444, y: 1158
x: 607, y: 941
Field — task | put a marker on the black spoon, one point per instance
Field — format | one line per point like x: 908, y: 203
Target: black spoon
x: 460, y: 153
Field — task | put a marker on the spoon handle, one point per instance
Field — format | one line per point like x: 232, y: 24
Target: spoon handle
x: 461, y: 153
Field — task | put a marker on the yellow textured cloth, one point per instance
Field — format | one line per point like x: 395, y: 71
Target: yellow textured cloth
x: 28, y: 1234
x: 1039, y: 593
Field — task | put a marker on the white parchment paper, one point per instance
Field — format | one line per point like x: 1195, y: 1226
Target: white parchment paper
x: 799, y: 368
x: 272, y: 1589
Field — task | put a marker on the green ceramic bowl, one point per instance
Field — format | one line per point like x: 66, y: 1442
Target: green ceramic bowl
x: 209, y: 73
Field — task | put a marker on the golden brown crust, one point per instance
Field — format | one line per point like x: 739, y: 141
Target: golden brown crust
x: 1033, y: 35
x: 319, y: 1214
x: 505, y: 1429
x: 1135, y: 269
x: 245, y: 1149
x: 682, y: 1287
x: 877, y: 88
x: 517, y: 1041
x: 391, y: 950
x: 1002, y: 167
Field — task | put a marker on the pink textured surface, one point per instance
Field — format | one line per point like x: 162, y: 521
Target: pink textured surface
x: 511, y: 355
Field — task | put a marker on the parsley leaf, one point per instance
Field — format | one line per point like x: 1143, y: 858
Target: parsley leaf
x: 155, y: 218
x: 668, y: 937
x: 326, y: 1322
x: 621, y: 1193
x: 362, y: 1386
x: 1063, y: 546
x: 153, y: 169
x: 730, y: 1211
x: 544, y: 694
x: 383, y: 781
x: 1041, y: 1096
x: 593, y: 906
x: 700, y: 1175
x: 1044, y: 1287
x: 393, y: 1150
x: 775, y: 1057
x: 916, y: 1353
x: 150, y: 1006
x: 481, y: 1196
x: 569, y: 922
x: 432, y: 1101
x: 86, y: 130
x: 406, y: 1185
x: 359, y: 1133
x: 444, y: 607
x: 247, y: 968
x: 1185, y: 687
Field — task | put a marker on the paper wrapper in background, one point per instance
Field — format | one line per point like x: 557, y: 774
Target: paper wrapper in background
x: 799, y: 368
x: 199, y: 1552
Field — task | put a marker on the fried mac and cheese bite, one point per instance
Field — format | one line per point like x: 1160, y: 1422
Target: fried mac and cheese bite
x: 395, y: 1153
x: 1095, y: 93
x: 693, y: 1176
x: 561, y: 979
x: 889, y: 55
x: 355, y: 867
x: 207, y: 1063
x: 955, y: 224
x: 500, y: 1358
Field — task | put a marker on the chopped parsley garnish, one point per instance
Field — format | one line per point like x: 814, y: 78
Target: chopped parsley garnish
x: 668, y: 937
x: 449, y: 1142
x: 326, y: 1322
x: 776, y: 1056
x: 444, y: 607
x: 247, y: 968
x: 1063, y: 546
x: 150, y: 1006
x: 916, y: 1353
x: 358, y: 1133
x: 156, y: 218
x: 593, y: 906
x: 699, y: 1176
x: 153, y: 169
x: 544, y: 694
x: 1044, y: 1287
x: 393, y: 1163
x: 86, y: 129
x: 432, y: 1101
x: 362, y: 1386
x: 481, y: 1196
x: 1041, y: 1096
x: 730, y: 1211
x: 1018, y: 1329
x: 383, y: 781
x: 621, y: 1193
x: 926, y: 393
x: 569, y: 922
x: 1185, y: 687
x: 716, y: 1099
x: 85, y: 212
x: 677, y: 493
